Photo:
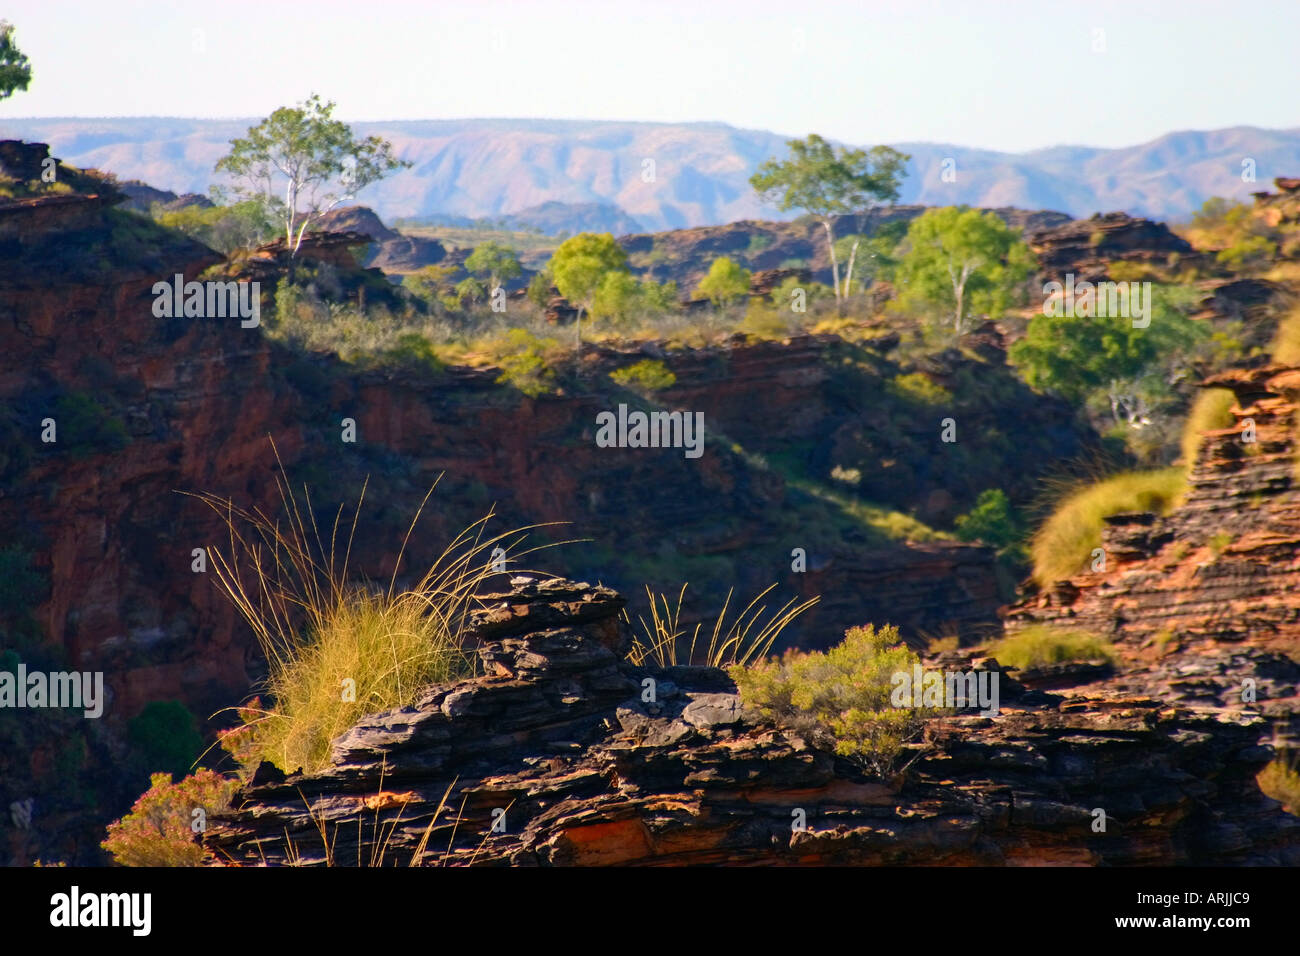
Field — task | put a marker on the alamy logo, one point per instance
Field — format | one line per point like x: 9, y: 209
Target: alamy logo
x: 1114, y: 300
x: 925, y: 688
x: 653, y: 430
x: 75, y: 908
x: 208, y: 300
x: 80, y: 691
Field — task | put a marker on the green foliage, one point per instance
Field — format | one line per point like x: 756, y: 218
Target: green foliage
x: 319, y: 160
x: 15, y: 70
x: 526, y: 364
x: 159, y: 829
x: 992, y: 520
x: 616, y: 296
x: 413, y: 350
x: 647, y: 375
x: 1039, y: 645
x: 659, y: 297
x: 84, y: 427
x: 224, y: 228
x: 840, y: 698
x: 960, y: 261
x: 919, y: 388
x: 539, y: 288
x: 725, y: 282
x: 1076, y: 356
x: 1247, y: 253
x: 495, y: 261
x: 826, y: 181
x: 581, y: 263
x: 470, y: 291
x: 431, y: 284
x: 1062, y: 546
x: 783, y: 296
x: 165, y: 737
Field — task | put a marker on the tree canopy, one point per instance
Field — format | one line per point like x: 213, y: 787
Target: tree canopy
x: 580, y: 265
x: 725, y: 282
x: 15, y: 70
x: 826, y: 181
x: 495, y: 261
x: 960, y: 261
x: 315, y: 159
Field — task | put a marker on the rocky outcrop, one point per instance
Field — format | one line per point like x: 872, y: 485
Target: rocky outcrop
x: 565, y: 754
x: 1202, y: 602
x: 1089, y: 247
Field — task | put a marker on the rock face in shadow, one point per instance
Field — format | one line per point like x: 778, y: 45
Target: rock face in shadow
x: 560, y: 755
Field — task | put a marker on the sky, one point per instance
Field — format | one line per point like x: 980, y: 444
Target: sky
x: 999, y: 75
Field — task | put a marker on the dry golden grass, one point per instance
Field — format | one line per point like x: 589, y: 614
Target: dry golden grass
x: 337, y: 649
x: 1211, y: 411
x: 1062, y: 546
x: 740, y: 643
x: 1281, y: 781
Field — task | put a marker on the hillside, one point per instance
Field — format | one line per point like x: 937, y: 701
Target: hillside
x: 496, y: 167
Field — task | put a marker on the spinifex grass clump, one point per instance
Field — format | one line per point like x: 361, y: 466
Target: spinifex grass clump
x: 745, y: 640
x: 1281, y: 781
x: 1211, y: 411
x: 1039, y: 645
x: 1064, y: 543
x: 338, y: 649
x: 841, y: 698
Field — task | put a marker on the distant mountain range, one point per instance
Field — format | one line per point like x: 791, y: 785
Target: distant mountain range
x: 569, y: 175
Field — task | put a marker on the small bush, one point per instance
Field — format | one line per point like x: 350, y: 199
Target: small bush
x: 647, y: 375
x: 1211, y: 411
x: 840, y: 698
x: 920, y: 388
x: 526, y: 365
x: 992, y: 521
x: 1039, y: 645
x: 162, y: 828
x: 1062, y: 546
x: 165, y: 737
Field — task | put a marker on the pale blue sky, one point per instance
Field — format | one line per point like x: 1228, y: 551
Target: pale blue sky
x: 1003, y: 75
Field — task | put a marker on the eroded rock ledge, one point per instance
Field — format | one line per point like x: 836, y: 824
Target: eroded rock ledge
x: 558, y: 737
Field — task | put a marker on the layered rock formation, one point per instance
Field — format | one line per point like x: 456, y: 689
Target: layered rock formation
x: 1088, y: 247
x: 565, y: 754
x: 1203, y: 600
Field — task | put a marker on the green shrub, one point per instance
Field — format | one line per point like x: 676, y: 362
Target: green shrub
x: 162, y: 828
x: 84, y: 427
x: 920, y: 388
x: 526, y: 363
x: 165, y: 736
x: 1062, y: 546
x: 1039, y: 645
x: 1249, y: 252
x: 992, y: 521
x: 840, y: 698
x: 647, y: 375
